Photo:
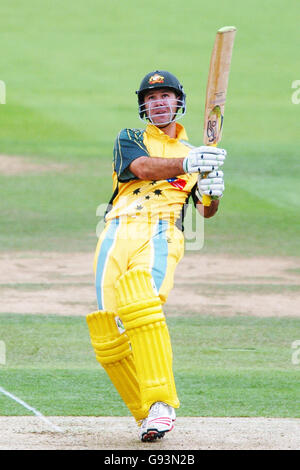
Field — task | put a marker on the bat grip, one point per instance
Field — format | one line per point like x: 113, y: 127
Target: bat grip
x: 206, y: 200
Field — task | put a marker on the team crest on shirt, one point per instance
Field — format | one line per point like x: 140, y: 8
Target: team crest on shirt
x: 177, y: 183
x: 156, y: 78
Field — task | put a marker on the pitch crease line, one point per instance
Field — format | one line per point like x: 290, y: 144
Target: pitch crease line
x: 30, y: 408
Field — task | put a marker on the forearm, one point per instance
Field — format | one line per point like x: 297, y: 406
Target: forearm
x: 156, y: 168
x: 208, y: 211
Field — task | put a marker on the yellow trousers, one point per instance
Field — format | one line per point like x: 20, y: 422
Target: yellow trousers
x: 128, y: 243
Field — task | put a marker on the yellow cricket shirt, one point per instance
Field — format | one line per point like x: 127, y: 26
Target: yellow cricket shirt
x: 164, y: 199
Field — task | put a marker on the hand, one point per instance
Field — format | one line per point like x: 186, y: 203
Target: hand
x: 204, y: 159
x: 211, y: 185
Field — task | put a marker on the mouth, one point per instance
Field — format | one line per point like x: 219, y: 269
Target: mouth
x: 163, y: 111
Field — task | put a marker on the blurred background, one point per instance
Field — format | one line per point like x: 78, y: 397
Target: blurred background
x: 71, y: 70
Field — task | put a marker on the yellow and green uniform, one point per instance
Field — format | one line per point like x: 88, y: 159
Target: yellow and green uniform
x: 134, y: 265
x: 144, y: 218
x: 147, y: 199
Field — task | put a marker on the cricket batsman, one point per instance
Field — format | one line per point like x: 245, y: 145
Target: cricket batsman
x: 155, y: 171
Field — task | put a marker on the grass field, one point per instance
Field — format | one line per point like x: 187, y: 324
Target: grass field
x: 71, y: 73
x: 71, y: 70
x: 239, y: 367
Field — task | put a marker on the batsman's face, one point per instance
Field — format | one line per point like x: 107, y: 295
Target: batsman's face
x: 160, y: 106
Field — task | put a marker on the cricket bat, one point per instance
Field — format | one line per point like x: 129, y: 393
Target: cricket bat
x: 216, y: 89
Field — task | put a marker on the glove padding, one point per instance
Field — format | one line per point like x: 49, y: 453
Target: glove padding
x: 204, y: 159
x: 211, y: 185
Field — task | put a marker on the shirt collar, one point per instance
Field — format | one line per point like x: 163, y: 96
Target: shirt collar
x: 180, y: 132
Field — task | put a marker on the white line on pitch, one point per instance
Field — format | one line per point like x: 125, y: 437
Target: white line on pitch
x: 30, y: 408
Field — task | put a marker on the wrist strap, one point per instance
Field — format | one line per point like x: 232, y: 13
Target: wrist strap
x: 185, y: 165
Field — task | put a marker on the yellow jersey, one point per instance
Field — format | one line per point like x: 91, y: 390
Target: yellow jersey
x: 163, y: 199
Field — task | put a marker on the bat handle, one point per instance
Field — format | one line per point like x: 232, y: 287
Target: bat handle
x: 206, y: 200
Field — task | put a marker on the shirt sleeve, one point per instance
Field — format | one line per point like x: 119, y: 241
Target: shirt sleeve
x: 129, y: 145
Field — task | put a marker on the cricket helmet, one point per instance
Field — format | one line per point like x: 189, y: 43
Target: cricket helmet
x: 161, y: 79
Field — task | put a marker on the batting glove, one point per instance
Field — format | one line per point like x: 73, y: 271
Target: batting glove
x: 204, y: 159
x: 211, y: 185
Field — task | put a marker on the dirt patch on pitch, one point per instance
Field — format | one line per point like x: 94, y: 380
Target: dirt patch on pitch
x: 106, y: 433
x: 63, y: 284
x: 11, y: 165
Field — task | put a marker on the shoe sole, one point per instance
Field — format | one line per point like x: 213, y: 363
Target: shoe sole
x: 152, y: 434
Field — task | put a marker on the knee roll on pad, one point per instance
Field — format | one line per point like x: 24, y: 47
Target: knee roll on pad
x: 114, y: 353
x: 108, y: 344
x: 139, y: 308
x: 138, y: 303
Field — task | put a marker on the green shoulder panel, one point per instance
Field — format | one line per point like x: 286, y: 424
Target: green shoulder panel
x: 129, y: 145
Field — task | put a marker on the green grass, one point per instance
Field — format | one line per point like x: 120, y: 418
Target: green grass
x: 71, y: 76
x: 223, y: 367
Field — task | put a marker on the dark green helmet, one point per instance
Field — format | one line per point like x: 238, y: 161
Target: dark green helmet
x: 160, y: 79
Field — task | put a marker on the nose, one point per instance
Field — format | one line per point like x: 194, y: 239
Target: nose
x: 161, y: 101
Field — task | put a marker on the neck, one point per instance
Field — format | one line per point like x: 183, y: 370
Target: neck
x: 169, y: 129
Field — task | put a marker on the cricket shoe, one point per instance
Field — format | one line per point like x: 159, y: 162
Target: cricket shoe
x: 144, y: 435
x: 160, y: 420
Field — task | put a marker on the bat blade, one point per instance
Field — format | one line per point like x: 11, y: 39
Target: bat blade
x: 216, y: 89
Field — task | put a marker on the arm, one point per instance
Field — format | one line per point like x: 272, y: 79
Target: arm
x: 208, y: 211
x: 199, y: 160
x: 156, y: 168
